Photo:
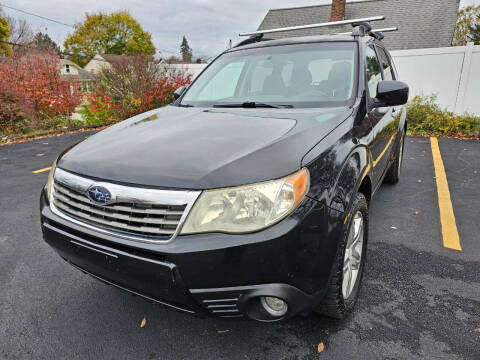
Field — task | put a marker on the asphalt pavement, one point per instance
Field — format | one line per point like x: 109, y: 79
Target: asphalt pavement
x: 419, y: 300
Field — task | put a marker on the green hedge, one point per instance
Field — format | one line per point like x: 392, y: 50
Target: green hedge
x: 425, y: 117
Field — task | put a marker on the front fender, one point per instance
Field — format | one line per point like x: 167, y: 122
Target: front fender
x: 355, y: 169
x: 338, y: 170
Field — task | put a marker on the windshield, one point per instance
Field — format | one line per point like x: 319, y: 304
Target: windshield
x: 300, y: 75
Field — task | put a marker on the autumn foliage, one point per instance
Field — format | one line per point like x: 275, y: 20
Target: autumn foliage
x: 31, y: 91
x: 132, y: 86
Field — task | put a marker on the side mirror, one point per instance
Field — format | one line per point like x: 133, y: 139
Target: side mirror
x: 391, y: 93
x: 179, y: 92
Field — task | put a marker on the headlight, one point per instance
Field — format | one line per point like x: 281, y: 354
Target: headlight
x: 247, y: 208
x: 49, y: 184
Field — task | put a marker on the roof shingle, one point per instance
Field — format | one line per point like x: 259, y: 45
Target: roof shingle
x: 421, y: 24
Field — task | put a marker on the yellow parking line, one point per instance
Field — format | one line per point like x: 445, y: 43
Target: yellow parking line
x: 41, y: 170
x: 451, y: 239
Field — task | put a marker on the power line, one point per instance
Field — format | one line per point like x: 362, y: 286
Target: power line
x: 39, y: 16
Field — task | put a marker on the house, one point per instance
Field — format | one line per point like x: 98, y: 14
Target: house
x: 71, y: 71
x: 102, y: 61
x: 421, y: 24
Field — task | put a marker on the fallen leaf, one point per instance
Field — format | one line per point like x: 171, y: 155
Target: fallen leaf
x: 321, y: 347
x: 393, y: 227
x: 477, y: 330
x: 419, y: 180
x: 416, y: 212
x: 326, y: 331
x: 40, y: 154
x: 144, y: 321
x: 222, y: 331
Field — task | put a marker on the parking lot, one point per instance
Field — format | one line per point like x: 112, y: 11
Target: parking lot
x: 420, y: 297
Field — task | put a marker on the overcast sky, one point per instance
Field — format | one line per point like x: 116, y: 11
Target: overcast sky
x: 207, y: 24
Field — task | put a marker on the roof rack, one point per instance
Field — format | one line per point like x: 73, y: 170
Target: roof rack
x: 376, y: 33
x: 331, y: 23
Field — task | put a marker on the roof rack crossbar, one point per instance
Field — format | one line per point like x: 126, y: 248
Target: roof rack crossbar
x: 300, y: 27
x: 373, y: 31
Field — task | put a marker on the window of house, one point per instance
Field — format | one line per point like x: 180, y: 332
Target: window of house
x: 374, y: 74
x: 67, y: 68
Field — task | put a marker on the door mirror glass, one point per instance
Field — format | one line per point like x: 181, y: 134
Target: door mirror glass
x: 179, y: 92
x: 391, y: 93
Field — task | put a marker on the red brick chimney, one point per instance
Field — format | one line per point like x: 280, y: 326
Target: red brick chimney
x: 338, y: 10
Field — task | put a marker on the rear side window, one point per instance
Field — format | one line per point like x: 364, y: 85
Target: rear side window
x: 374, y: 74
x: 387, y: 68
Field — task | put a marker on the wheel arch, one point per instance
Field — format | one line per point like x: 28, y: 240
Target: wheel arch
x: 354, y: 176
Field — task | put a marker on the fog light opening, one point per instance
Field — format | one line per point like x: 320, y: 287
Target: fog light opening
x: 274, y: 306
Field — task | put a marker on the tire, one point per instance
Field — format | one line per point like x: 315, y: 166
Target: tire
x: 393, y: 174
x: 341, y: 296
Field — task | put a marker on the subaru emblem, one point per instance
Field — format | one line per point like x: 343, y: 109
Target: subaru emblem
x: 99, y: 194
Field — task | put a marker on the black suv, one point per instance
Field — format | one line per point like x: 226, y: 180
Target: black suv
x: 249, y: 196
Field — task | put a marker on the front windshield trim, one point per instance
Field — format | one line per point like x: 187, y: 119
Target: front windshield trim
x: 281, y: 104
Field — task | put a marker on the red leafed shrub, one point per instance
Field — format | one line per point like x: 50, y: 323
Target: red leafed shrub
x: 131, y: 86
x: 32, y: 91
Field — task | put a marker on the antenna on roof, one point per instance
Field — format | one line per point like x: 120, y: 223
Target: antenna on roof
x: 311, y: 26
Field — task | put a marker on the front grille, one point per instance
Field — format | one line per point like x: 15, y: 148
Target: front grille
x: 143, y: 215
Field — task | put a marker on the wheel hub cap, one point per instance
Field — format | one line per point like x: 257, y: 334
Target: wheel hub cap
x: 353, y: 255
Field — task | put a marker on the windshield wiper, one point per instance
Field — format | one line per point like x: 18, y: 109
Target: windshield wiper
x: 185, y: 105
x: 251, y: 104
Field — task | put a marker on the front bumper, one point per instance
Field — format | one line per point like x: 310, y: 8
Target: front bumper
x: 211, y: 274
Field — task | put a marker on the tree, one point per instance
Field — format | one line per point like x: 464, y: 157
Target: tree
x: 475, y: 32
x: 101, y: 33
x: 132, y: 86
x: 5, y: 48
x: 32, y: 91
x: 466, y: 19
x: 43, y: 42
x: 20, y: 31
x: 186, y: 51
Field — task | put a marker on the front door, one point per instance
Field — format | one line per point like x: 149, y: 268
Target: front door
x: 382, y: 120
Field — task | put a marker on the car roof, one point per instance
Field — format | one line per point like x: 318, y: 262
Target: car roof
x: 295, y: 40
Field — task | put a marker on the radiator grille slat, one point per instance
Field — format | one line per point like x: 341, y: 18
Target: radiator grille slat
x: 137, y: 218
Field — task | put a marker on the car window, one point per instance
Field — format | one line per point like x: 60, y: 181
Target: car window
x: 388, y: 73
x: 303, y: 75
x: 374, y: 74
x: 224, y: 83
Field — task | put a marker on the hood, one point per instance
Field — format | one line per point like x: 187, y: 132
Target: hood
x: 194, y: 148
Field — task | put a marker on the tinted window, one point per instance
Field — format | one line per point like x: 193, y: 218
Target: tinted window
x: 304, y: 75
x: 374, y: 74
x: 385, y: 62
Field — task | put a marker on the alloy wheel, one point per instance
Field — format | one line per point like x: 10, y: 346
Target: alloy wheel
x: 353, y: 255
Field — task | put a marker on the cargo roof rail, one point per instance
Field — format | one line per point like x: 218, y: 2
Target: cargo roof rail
x: 361, y: 27
x: 311, y: 26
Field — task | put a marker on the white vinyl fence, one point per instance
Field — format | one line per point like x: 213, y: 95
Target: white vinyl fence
x: 452, y: 73
x: 193, y: 69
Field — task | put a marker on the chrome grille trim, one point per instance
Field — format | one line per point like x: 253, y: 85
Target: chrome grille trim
x: 140, y: 214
